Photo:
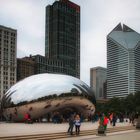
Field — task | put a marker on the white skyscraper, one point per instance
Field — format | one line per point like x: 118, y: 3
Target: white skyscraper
x: 8, y: 45
x: 123, y: 62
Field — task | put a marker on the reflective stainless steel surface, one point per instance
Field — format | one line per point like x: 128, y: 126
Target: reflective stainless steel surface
x: 49, y: 91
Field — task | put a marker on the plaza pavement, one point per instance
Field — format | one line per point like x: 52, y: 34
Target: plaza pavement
x: 124, y: 135
x: 17, y: 129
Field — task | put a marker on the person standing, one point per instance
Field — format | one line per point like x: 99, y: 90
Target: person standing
x: 77, y: 124
x: 114, y: 119
x: 27, y: 118
x: 105, y: 122
x: 101, y: 130
x: 110, y: 118
x: 71, y: 125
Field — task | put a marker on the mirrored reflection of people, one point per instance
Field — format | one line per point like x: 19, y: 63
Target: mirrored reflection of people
x: 71, y: 125
x: 77, y: 124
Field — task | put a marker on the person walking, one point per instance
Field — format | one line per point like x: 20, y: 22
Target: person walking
x: 77, y: 124
x: 110, y: 118
x: 71, y: 125
x: 114, y: 119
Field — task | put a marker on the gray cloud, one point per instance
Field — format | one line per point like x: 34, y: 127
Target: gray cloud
x: 98, y: 18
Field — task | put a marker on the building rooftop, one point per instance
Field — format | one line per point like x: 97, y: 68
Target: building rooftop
x: 1, y: 26
x: 125, y: 36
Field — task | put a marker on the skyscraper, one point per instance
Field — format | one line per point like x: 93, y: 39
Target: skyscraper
x: 123, y: 62
x: 8, y: 45
x: 62, y: 35
x: 98, y: 81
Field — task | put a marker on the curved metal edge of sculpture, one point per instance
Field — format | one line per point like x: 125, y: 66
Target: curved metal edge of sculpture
x: 80, y: 98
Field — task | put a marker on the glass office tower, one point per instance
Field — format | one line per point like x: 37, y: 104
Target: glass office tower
x: 123, y: 62
x: 62, y: 35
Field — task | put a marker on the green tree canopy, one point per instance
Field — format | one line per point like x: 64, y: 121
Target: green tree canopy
x: 121, y: 105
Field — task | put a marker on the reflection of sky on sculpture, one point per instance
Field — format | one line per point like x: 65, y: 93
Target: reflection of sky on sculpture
x: 42, y: 85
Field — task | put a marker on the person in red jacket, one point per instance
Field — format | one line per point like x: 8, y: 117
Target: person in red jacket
x: 27, y: 117
x: 105, y: 122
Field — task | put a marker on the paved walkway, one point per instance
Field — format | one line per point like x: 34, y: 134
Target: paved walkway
x: 125, y: 135
x: 15, y: 129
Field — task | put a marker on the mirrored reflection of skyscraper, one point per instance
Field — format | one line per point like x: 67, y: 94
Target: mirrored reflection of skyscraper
x: 62, y: 36
x: 123, y: 62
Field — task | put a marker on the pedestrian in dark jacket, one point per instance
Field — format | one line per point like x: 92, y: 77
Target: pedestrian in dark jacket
x: 71, y: 125
x: 114, y: 119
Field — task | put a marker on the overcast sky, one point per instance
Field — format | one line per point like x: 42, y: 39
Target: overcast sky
x: 98, y: 18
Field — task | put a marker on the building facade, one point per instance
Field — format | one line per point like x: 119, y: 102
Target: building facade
x: 44, y: 65
x: 98, y: 81
x: 25, y: 67
x: 62, y: 43
x: 8, y: 47
x: 123, y: 62
x: 37, y: 64
x: 62, y: 36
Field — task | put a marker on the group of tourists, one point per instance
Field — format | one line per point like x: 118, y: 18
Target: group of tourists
x: 74, y: 121
x: 104, y: 120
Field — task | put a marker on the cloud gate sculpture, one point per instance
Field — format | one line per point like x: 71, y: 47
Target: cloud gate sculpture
x: 45, y: 94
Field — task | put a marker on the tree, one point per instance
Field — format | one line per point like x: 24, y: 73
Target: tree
x: 121, y: 105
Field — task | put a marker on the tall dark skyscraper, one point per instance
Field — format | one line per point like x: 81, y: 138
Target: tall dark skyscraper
x: 62, y: 36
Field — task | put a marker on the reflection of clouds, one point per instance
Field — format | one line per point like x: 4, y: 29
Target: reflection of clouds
x: 41, y: 85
